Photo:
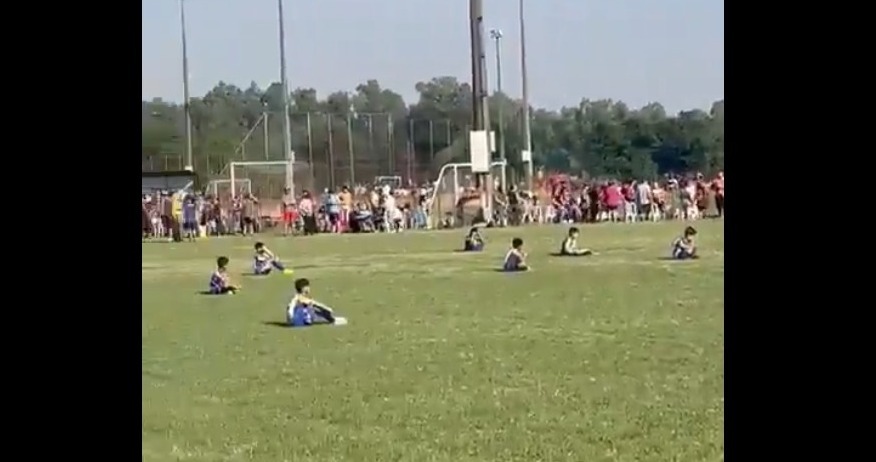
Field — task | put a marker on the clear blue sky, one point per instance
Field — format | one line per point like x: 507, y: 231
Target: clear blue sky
x: 638, y: 51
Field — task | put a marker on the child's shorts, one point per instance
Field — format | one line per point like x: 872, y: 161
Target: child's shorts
x: 683, y: 255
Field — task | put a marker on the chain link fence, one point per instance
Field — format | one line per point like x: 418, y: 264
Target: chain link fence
x: 333, y: 150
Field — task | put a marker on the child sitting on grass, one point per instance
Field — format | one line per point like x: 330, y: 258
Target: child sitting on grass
x: 684, y: 247
x: 304, y: 311
x: 569, y: 248
x: 265, y: 260
x: 220, y: 283
x: 473, y: 241
x: 515, y: 259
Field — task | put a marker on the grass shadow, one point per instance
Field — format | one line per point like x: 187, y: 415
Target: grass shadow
x: 558, y: 254
x: 287, y: 326
x: 297, y: 268
x: 467, y: 251
x: 677, y: 259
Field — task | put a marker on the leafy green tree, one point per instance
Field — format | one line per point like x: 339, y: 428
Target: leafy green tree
x: 372, y: 131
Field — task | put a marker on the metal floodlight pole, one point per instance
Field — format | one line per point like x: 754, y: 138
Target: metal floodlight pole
x: 331, y: 149
x: 266, y: 134
x: 524, y: 80
x: 370, y: 121
x: 480, y: 113
x: 496, y: 35
x: 309, y: 144
x: 187, y: 100
x: 350, y: 147
x: 288, y: 154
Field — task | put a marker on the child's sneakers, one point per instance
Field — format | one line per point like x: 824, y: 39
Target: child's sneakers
x: 339, y: 321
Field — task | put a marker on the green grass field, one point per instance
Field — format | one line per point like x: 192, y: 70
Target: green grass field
x: 616, y: 357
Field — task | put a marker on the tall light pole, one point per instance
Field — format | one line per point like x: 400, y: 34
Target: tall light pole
x: 288, y: 155
x: 526, y: 155
x: 496, y: 35
x: 480, y: 113
x: 187, y: 108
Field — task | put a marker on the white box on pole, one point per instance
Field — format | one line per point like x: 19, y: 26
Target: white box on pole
x: 479, y: 151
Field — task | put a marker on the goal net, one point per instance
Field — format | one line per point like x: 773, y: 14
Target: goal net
x: 223, y: 187
x: 455, y: 185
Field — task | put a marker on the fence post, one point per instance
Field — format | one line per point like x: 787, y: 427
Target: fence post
x: 331, y: 149
x: 449, y: 137
x: 431, y: 141
x: 350, y: 148
x: 310, y: 146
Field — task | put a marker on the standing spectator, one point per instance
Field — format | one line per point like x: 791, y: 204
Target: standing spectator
x: 176, y: 206
x: 718, y: 189
x: 190, y: 218
x: 629, y: 192
x: 346, y: 206
x: 249, y: 214
x: 333, y: 211
x: 289, y: 212
x: 236, y: 215
x: 643, y: 196
x: 614, y: 201
x: 306, y: 209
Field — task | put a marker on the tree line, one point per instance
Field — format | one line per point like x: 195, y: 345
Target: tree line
x: 373, y: 131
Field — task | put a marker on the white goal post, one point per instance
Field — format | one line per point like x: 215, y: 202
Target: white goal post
x: 452, y: 170
x: 241, y: 184
x: 267, y: 164
x: 453, y: 178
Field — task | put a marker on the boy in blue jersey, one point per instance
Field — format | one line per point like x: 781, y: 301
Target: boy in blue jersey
x: 265, y: 260
x: 190, y: 218
x: 473, y: 241
x: 220, y: 283
x: 515, y: 259
x: 569, y: 248
x: 684, y: 247
x: 304, y: 311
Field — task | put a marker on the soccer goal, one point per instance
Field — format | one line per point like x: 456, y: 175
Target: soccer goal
x: 454, y: 180
x: 266, y: 180
x: 223, y: 187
